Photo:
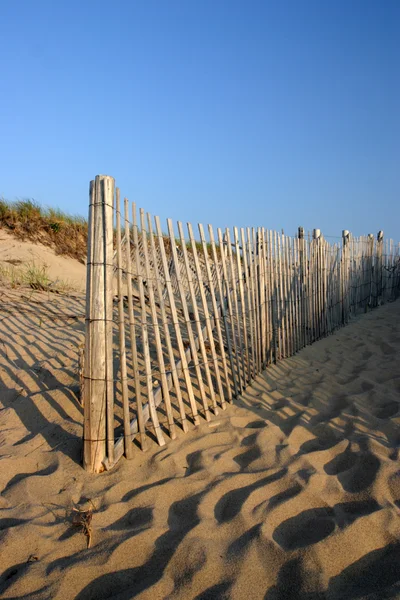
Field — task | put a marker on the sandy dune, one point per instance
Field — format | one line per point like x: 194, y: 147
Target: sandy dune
x: 15, y: 252
x: 294, y: 492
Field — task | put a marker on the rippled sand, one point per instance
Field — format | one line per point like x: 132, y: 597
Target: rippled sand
x: 293, y: 492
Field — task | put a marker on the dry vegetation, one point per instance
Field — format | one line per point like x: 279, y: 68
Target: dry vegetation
x: 32, y: 275
x: 29, y: 221
x: 66, y: 234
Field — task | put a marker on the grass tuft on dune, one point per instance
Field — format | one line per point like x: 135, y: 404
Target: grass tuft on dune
x: 27, y: 220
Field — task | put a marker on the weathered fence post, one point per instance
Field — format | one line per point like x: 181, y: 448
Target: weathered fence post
x: 98, y: 430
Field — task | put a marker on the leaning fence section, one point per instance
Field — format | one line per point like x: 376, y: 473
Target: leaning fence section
x: 179, y: 321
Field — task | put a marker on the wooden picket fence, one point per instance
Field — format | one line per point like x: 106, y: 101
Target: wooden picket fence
x: 179, y: 323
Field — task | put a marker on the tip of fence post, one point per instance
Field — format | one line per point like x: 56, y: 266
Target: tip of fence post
x: 316, y: 234
x: 301, y: 233
x: 345, y: 236
x: 104, y: 177
x: 379, y: 237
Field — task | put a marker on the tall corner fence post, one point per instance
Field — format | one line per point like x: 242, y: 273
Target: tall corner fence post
x: 98, y: 430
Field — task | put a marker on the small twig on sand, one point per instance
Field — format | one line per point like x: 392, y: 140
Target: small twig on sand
x: 83, y: 519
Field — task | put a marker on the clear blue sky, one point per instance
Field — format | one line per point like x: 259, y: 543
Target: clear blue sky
x: 273, y: 114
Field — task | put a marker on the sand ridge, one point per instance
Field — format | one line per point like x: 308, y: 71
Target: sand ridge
x: 60, y: 269
x: 293, y: 492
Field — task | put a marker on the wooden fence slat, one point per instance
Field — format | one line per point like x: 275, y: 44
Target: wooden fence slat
x: 281, y: 299
x: 297, y: 296
x: 309, y: 323
x: 314, y: 334
x: 89, y: 452
x: 222, y: 305
x: 294, y: 296
x: 286, y: 297
x: 216, y: 311
x: 345, y: 276
x: 335, y: 286
x: 226, y: 266
x: 108, y: 184
x: 325, y: 281
x: 209, y: 329
x: 321, y: 287
x: 275, y: 300
x: 302, y: 286
x: 145, y: 335
x: 156, y: 329
x: 263, y: 300
x: 132, y: 330
x: 331, y: 266
x: 250, y: 309
x: 392, y: 272
x: 239, y: 267
x: 178, y: 333
x: 228, y: 295
x: 266, y: 296
x: 167, y: 334
x: 287, y: 287
x: 86, y: 395
x: 234, y: 277
x: 314, y: 287
x: 195, y: 317
x: 293, y: 291
x: 317, y: 280
x: 175, y: 320
x: 122, y: 348
x: 328, y: 288
x: 256, y: 293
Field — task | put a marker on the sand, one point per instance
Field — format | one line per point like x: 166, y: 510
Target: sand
x: 293, y: 492
x: 61, y: 270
